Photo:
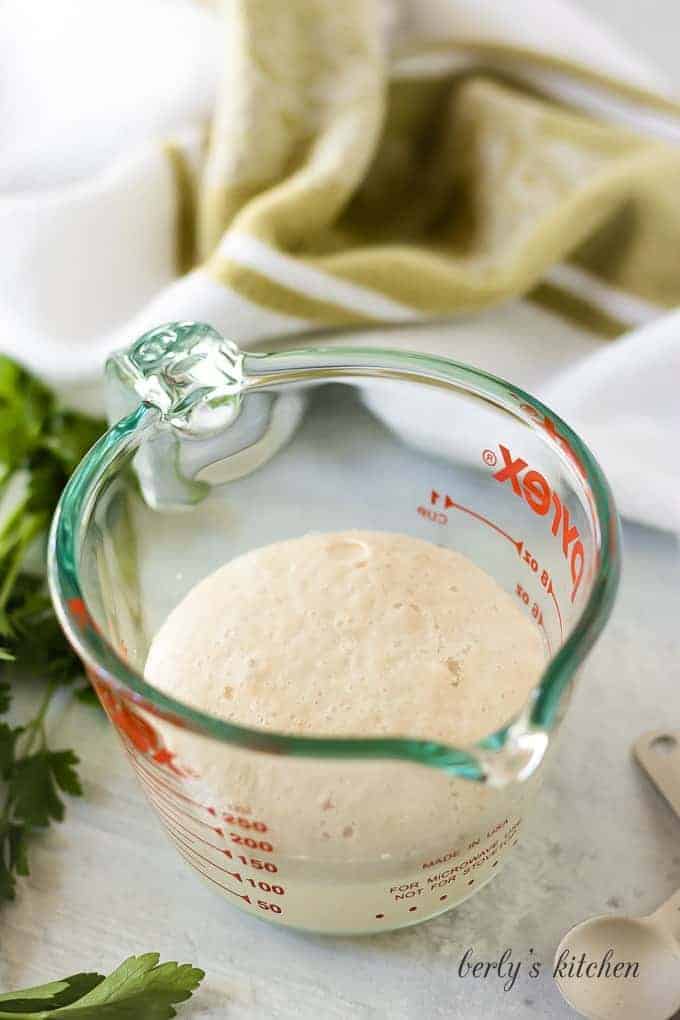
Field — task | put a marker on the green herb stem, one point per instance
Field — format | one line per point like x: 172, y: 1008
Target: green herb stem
x: 36, y: 524
x: 36, y: 727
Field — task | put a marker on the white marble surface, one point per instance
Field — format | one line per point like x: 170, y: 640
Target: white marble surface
x: 107, y: 882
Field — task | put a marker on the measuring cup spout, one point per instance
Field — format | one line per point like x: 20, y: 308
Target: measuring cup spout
x: 518, y: 758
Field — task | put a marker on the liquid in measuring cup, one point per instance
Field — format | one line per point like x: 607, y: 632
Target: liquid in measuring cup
x: 349, y: 634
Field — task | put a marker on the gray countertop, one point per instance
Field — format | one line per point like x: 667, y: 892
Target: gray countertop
x: 107, y: 883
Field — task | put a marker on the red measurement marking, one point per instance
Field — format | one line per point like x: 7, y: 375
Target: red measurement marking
x: 161, y: 757
x: 178, y: 842
x: 163, y: 797
x: 557, y: 607
x: 190, y: 817
x: 176, y: 838
x: 536, y: 611
x: 547, y: 637
x: 160, y: 787
x: 159, y: 779
x: 244, y: 823
x: 275, y: 908
x: 548, y: 424
x: 80, y: 613
x: 143, y: 775
x: 252, y: 844
x: 539, y: 495
x: 131, y: 726
x: 168, y: 821
x: 277, y: 889
x: 436, y: 516
x: 485, y: 520
x: 441, y: 518
x: 164, y: 804
x: 220, y: 885
x: 164, y: 757
x: 165, y: 790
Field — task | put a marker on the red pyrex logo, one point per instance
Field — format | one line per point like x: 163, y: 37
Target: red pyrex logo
x: 537, y: 493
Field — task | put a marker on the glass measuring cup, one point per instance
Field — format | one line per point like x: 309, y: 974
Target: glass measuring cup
x: 214, y: 452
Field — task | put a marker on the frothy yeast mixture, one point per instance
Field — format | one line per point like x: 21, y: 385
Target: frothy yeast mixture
x: 354, y: 633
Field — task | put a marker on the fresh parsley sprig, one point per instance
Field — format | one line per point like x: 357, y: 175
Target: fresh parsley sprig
x: 40, y: 445
x: 140, y: 989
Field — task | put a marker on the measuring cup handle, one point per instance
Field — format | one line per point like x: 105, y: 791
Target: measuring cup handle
x: 668, y: 917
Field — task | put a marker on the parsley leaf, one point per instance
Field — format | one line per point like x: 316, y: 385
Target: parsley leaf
x: 33, y: 784
x: 51, y: 996
x: 40, y: 445
x: 140, y: 989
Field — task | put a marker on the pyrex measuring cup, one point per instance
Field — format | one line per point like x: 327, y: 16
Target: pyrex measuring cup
x: 217, y: 452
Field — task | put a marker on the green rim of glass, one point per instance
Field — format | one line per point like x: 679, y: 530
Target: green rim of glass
x: 543, y: 712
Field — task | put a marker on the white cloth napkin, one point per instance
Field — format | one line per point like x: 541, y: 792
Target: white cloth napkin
x: 92, y: 92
